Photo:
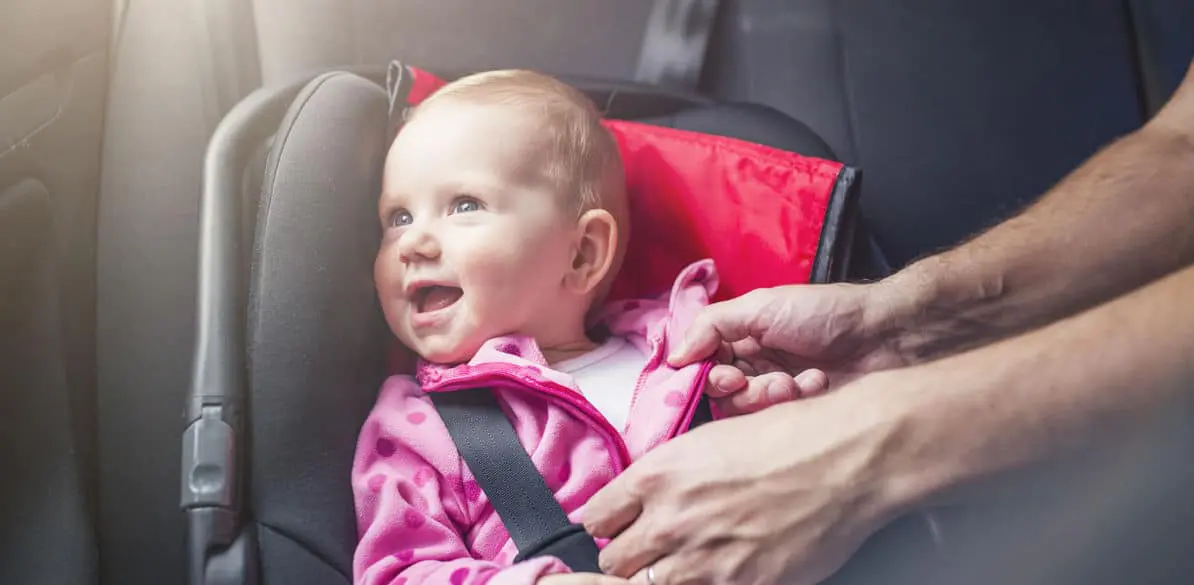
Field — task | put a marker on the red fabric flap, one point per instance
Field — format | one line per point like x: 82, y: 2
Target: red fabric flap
x: 756, y: 211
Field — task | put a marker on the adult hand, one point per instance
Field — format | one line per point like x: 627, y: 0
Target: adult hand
x: 580, y: 579
x: 790, y: 342
x: 785, y: 495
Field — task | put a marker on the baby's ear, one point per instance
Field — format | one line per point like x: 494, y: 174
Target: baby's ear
x: 593, y: 252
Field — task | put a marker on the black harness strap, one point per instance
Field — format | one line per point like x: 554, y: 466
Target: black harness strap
x: 486, y: 441
x: 504, y: 470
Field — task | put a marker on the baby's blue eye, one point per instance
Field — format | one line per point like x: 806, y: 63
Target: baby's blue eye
x: 401, y: 218
x: 465, y: 205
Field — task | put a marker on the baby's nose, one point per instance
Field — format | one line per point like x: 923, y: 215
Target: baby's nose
x: 418, y: 244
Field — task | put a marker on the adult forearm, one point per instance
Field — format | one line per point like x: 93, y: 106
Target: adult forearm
x: 1024, y: 399
x: 1119, y: 221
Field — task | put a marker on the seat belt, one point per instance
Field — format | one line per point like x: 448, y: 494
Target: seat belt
x: 485, y: 438
x: 675, y: 43
x: 504, y: 470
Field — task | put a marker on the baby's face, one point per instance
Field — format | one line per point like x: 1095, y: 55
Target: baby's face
x: 476, y: 242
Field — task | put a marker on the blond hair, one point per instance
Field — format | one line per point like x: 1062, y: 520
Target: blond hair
x: 583, y: 159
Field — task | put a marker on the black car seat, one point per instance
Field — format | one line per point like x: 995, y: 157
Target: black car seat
x: 291, y: 346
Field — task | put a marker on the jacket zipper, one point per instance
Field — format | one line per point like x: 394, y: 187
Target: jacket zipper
x: 655, y: 345
x: 695, y: 393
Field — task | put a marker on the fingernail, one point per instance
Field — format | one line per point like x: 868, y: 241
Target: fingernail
x: 811, y: 381
x: 718, y: 385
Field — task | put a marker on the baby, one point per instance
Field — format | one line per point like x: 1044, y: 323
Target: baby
x: 504, y: 212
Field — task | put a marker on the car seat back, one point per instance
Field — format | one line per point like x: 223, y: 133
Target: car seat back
x: 291, y: 345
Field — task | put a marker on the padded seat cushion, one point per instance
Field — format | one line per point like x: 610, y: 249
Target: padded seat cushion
x: 316, y: 337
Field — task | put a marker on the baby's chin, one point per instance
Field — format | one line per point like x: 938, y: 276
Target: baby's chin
x: 442, y: 351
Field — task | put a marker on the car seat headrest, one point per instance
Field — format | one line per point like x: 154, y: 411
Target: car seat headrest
x: 316, y: 339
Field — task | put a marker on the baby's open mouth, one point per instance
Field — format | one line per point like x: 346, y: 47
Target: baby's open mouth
x: 433, y: 298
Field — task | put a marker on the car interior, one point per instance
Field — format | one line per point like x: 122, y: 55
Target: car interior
x: 186, y: 355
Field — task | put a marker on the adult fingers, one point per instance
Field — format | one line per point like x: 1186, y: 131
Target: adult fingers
x: 759, y: 393
x: 747, y: 348
x: 727, y: 321
x: 580, y: 579
x: 725, y: 380
x: 643, y: 543
x: 614, y: 507
x: 759, y: 360
x: 812, y: 382
x: 640, y: 533
x: 770, y: 389
x: 725, y: 353
x: 669, y: 570
x: 747, y: 368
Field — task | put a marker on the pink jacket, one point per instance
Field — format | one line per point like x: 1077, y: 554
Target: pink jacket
x: 421, y: 517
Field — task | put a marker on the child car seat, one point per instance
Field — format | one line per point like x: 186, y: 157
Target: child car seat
x: 291, y: 345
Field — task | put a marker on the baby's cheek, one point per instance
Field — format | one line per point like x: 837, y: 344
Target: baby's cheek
x: 514, y: 280
x: 489, y: 313
x: 497, y: 285
x: 387, y: 268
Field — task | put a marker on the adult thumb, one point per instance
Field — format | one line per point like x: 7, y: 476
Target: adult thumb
x: 724, y: 322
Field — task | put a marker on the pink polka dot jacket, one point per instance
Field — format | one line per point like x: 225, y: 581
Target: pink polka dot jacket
x: 423, y: 520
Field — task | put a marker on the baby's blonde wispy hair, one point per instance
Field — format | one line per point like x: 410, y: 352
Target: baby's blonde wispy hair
x: 582, y: 156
